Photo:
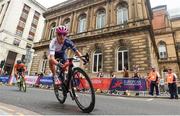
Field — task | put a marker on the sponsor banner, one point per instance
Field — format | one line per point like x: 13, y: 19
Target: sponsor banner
x: 46, y: 80
x: 31, y: 79
x: 4, y: 79
x: 98, y: 83
x: 123, y: 84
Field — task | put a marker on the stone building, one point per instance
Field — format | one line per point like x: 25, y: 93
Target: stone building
x: 21, y: 24
x: 167, y: 37
x: 115, y: 33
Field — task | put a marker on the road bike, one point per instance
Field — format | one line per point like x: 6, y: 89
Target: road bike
x: 77, y: 83
x: 22, y: 84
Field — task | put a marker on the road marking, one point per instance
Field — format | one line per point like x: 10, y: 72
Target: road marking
x: 20, y: 114
x: 149, y: 99
x: 6, y: 109
x: 2, y: 112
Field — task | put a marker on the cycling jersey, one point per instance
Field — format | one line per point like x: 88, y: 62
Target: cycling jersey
x: 59, y: 50
x: 20, y: 67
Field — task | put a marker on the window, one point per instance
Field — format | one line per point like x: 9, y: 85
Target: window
x: 162, y: 50
x: 30, y: 37
x: 100, y: 19
x: 26, y: 7
x: 19, y: 32
x: 37, y: 14
x: 21, y: 24
x: 43, y: 66
x: 67, y: 23
x: 122, y: 59
x: 24, y: 15
x: 52, y: 31
x: 33, y: 30
x: 97, y: 61
x: 82, y: 23
x: 16, y: 42
x: 29, y: 46
x: 35, y: 21
x: 122, y: 13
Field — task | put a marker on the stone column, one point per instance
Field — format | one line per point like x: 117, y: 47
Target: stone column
x: 108, y: 14
x: 71, y: 22
x: 113, y: 14
x: 74, y: 24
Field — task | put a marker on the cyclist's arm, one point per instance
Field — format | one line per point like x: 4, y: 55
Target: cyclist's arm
x: 76, y: 51
x: 15, y: 69
x: 52, y: 59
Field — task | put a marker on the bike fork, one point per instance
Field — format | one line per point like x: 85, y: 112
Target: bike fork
x: 72, y: 96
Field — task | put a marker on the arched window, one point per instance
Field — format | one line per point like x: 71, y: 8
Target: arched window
x: 97, y: 60
x: 52, y: 32
x: 82, y: 23
x: 67, y: 23
x: 162, y: 50
x: 100, y: 19
x: 122, y: 13
x: 122, y: 59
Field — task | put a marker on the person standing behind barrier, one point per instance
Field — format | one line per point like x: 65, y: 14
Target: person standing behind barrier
x: 154, y: 77
x: 171, y: 81
x: 125, y: 74
x: 161, y: 84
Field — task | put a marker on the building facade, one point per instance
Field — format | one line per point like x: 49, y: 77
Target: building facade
x: 166, y: 30
x: 21, y: 24
x: 117, y: 34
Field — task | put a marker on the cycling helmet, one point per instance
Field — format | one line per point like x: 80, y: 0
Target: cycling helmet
x: 62, y: 30
x: 19, y: 62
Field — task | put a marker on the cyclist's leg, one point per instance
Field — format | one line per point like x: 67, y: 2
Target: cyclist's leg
x: 53, y: 69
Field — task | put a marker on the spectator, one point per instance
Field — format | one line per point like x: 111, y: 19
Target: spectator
x: 154, y: 80
x: 161, y: 85
x: 125, y: 74
x: 113, y: 75
x: 171, y: 81
x: 100, y: 74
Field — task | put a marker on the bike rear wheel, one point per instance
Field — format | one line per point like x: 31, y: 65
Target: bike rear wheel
x: 60, y: 92
x: 82, y: 90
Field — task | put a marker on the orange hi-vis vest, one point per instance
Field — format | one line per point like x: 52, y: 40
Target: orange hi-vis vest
x: 153, y: 76
x: 170, y: 78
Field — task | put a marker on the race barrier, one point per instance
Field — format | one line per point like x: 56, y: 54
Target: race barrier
x: 120, y: 84
x: 4, y: 79
x: 123, y: 84
x: 103, y: 84
x: 46, y: 80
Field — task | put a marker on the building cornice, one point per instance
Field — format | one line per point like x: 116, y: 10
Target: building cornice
x: 39, y: 5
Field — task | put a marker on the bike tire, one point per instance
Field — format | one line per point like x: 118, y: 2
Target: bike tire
x: 61, y: 90
x: 90, y: 107
x: 23, y: 84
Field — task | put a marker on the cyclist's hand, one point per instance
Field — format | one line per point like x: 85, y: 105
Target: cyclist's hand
x: 85, y: 61
x: 59, y: 65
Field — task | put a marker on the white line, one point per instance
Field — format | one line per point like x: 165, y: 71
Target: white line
x: 3, y: 112
x: 149, y: 99
x: 6, y: 109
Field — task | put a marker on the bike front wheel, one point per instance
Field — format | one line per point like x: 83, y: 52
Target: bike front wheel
x: 60, y: 92
x: 82, y: 90
x: 23, y: 84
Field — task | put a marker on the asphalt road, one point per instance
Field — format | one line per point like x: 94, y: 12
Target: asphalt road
x: 44, y: 102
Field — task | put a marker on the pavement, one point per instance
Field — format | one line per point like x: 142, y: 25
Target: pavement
x: 6, y: 109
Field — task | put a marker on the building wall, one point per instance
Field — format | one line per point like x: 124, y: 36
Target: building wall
x: 8, y: 27
x: 135, y: 35
x: 164, y: 30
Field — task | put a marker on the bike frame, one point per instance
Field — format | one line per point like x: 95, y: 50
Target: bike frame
x: 70, y: 66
